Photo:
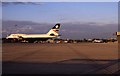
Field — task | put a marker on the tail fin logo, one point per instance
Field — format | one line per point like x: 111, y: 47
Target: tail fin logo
x: 56, y: 26
x: 55, y: 30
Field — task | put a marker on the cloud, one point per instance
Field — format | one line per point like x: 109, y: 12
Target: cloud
x: 63, y: 30
x: 22, y: 3
x: 61, y: 0
x: 73, y: 30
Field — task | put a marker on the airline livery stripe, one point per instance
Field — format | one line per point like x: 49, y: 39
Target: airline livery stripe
x: 55, y: 31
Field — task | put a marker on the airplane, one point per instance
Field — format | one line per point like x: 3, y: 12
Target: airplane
x: 53, y: 33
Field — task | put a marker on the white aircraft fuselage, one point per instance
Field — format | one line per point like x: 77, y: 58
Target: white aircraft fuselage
x: 53, y: 33
x: 30, y: 36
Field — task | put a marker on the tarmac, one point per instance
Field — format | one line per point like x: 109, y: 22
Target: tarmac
x: 51, y: 58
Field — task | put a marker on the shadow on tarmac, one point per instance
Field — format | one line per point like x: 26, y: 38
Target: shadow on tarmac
x: 72, y: 66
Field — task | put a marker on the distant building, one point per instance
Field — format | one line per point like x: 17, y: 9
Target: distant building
x: 118, y: 36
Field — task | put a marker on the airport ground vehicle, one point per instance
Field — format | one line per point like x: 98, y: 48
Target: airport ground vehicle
x: 97, y: 41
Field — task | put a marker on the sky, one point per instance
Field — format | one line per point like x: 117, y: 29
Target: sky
x: 61, y: 0
x: 104, y: 12
x: 88, y: 14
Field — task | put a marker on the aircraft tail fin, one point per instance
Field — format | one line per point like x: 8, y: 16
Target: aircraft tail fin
x: 54, y: 30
